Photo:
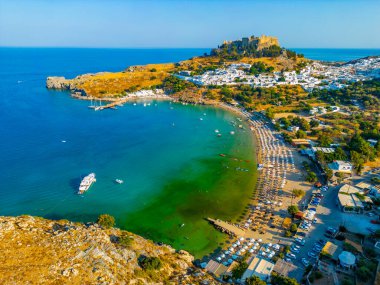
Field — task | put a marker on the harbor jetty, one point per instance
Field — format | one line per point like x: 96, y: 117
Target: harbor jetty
x: 227, y: 228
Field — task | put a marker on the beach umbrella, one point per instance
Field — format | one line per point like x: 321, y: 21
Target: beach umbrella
x: 241, y: 239
x: 260, y: 240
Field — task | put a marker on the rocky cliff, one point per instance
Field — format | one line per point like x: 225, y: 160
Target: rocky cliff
x: 56, y: 82
x: 39, y: 251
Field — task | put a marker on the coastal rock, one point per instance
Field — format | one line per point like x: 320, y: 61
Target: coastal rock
x: 62, y: 252
x: 56, y: 82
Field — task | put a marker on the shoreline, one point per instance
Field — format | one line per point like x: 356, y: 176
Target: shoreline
x: 246, y: 119
x: 257, y: 192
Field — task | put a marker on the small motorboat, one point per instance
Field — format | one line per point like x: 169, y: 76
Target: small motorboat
x: 119, y: 181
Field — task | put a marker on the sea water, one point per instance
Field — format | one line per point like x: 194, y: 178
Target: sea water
x: 167, y: 154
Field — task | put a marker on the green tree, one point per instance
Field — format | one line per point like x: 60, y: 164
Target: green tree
x: 298, y: 193
x: 270, y: 113
x: 292, y: 210
x: 314, y: 123
x: 106, y: 221
x: 293, y: 228
x: 282, y: 280
x: 238, y: 270
x: 300, y: 134
x: 357, y: 159
x: 340, y: 154
x: 304, y: 125
x: 320, y: 156
x: 329, y: 173
x: 324, y: 140
x: 311, y: 177
x: 363, y: 273
x: 254, y: 280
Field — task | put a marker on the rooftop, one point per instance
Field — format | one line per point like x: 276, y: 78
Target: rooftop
x: 259, y: 267
x: 331, y: 249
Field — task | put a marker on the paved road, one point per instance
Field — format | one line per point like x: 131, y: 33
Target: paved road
x: 329, y: 215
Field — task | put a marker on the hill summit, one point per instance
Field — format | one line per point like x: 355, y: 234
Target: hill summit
x: 263, y: 46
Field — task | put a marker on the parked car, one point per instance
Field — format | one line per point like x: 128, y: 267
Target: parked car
x: 305, y: 261
x: 291, y: 255
x: 312, y: 254
x: 295, y: 250
x: 300, y: 241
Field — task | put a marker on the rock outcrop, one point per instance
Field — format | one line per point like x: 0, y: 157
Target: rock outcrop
x: 57, y: 82
x: 39, y: 251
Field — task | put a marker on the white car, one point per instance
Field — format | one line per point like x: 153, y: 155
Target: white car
x: 291, y: 255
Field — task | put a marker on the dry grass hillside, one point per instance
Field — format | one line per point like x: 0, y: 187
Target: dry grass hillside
x: 40, y: 251
x: 114, y: 84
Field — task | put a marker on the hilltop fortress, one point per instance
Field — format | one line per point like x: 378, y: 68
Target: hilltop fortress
x: 251, y: 43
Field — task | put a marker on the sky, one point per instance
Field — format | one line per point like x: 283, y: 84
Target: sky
x: 188, y: 24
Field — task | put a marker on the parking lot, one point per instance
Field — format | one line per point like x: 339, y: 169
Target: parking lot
x: 329, y: 215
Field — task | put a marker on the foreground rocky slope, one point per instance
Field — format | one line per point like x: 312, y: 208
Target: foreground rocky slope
x: 40, y: 251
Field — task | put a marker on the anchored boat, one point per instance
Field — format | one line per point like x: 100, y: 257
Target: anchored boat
x: 86, y: 183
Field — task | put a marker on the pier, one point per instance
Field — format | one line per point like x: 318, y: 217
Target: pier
x: 227, y: 228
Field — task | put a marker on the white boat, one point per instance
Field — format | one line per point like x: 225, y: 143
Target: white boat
x: 86, y: 183
x: 119, y: 181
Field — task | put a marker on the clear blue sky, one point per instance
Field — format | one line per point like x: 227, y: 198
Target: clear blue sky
x: 196, y: 23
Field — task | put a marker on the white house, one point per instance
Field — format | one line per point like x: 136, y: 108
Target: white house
x: 341, y: 166
x: 293, y: 128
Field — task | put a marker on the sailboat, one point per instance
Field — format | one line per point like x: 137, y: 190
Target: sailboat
x: 92, y: 106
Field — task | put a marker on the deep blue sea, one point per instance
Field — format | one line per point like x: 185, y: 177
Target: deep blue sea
x: 336, y: 54
x: 48, y: 140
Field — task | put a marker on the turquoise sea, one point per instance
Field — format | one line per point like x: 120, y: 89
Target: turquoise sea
x: 168, y: 157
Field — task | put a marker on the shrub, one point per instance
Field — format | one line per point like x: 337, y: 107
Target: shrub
x: 106, y: 221
x: 363, y: 273
x: 298, y: 193
x: 318, y: 275
x: 239, y: 269
x: 125, y: 240
x: 292, y: 210
x: 311, y: 177
x: 254, y: 280
x: 293, y: 228
x: 150, y: 263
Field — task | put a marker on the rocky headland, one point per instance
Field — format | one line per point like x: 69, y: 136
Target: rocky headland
x: 40, y: 251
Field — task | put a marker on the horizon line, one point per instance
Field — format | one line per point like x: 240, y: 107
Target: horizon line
x: 88, y: 47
